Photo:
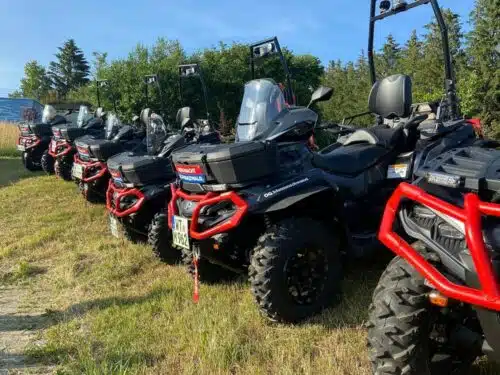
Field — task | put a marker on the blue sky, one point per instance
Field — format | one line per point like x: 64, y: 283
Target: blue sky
x: 329, y: 29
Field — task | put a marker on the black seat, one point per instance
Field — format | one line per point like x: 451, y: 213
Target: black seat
x: 350, y: 160
x: 390, y: 98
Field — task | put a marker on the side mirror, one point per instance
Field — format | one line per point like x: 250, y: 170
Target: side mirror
x: 321, y: 94
x: 265, y: 49
x: 189, y: 70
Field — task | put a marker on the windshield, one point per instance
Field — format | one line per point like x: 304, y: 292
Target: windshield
x: 112, y: 125
x: 83, y: 116
x: 156, y: 134
x: 262, y: 102
x: 49, y: 113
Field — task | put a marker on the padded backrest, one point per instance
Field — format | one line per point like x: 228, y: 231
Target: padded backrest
x: 145, y: 115
x: 185, y: 115
x: 391, y: 97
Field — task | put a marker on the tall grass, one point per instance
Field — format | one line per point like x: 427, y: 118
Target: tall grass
x: 8, y: 137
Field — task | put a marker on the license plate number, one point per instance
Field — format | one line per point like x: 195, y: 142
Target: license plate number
x: 180, y: 232
x: 77, y: 171
x: 114, y: 227
x: 21, y: 147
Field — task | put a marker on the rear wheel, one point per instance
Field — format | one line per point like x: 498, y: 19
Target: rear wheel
x: 160, y: 239
x: 28, y: 162
x: 406, y: 334
x: 295, y: 270
x: 47, y: 162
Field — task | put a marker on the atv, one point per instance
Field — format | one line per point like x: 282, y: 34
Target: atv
x: 62, y: 146
x: 138, y: 188
x: 34, y: 139
x: 90, y: 171
x: 291, y: 222
x: 436, y: 306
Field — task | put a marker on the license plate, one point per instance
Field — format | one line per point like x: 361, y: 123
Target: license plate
x: 397, y: 171
x: 77, y: 171
x: 21, y: 147
x: 180, y: 232
x: 114, y: 226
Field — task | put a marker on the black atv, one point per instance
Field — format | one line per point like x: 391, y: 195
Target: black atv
x: 34, y: 139
x: 139, y: 183
x: 435, y: 309
x: 90, y: 171
x: 62, y: 146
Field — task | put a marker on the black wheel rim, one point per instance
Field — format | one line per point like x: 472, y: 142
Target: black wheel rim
x: 305, y: 275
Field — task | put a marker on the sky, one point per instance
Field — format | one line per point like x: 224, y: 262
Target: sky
x: 329, y: 29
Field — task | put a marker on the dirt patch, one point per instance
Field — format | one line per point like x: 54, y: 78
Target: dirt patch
x: 19, y: 325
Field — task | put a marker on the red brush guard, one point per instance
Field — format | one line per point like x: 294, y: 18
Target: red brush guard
x: 59, y: 148
x: 28, y: 141
x: 89, y: 167
x: 488, y: 296
x: 207, y: 200
x: 114, y: 195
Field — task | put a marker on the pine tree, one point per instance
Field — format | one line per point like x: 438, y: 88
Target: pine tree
x: 390, y: 57
x: 71, y: 69
x: 484, y: 61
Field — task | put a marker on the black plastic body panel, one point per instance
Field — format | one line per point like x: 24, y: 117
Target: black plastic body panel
x: 141, y: 170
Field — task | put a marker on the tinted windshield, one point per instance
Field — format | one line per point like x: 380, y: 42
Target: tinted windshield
x: 49, y: 113
x: 262, y: 102
x: 156, y: 134
x: 112, y: 125
x: 83, y: 116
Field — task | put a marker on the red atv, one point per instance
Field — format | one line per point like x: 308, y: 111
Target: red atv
x: 436, y: 307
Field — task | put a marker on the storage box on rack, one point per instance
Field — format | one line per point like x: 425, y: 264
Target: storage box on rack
x: 140, y: 169
x: 100, y: 149
x: 235, y: 163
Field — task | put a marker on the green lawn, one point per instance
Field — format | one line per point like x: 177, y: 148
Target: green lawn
x: 114, y: 308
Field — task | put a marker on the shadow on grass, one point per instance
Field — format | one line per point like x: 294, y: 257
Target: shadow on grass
x: 12, y: 170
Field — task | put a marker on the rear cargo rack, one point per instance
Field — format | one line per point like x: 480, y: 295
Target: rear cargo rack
x: 488, y: 296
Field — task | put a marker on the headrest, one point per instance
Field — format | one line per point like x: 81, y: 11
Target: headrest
x: 145, y: 115
x: 99, y: 112
x: 185, y: 115
x: 391, y: 97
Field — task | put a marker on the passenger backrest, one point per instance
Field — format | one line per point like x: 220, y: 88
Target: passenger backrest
x: 185, y: 116
x: 145, y: 115
x: 391, y: 97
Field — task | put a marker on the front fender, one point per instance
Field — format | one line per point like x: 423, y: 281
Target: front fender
x: 284, y: 195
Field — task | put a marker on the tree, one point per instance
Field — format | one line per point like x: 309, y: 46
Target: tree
x: 484, y: 61
x: 71, y: 69
x: 35, y: 83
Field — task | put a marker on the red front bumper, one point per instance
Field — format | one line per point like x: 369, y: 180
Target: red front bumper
x: 59, y: 148
x: 207, y: 200
x: 114, y: 196
x: 488, y: 295
x: 92, y: 170
x: 28, y: 141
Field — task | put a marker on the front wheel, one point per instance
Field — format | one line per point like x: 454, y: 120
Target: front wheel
x: 160, y: 239
x: 63, y: 167
x: 406, y: 334
x: 47, y: 162
x: 295, y: 270
x: 28, y: 162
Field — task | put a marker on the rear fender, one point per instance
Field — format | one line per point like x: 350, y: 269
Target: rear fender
x: 298, y: 196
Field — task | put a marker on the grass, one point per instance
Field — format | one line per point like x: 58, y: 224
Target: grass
x: 114, y: 308
x: 8, y: 137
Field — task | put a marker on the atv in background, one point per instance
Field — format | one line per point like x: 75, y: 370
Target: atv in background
x: 90, y: 171
x: 62, y: 146
x: 436, y: 306
x: 34, y: 139
x: 138, y: 188
x: 287, y: 221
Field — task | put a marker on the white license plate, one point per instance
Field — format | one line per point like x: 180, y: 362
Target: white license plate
x: 397, y: 171
x: 180, y: 232
x: 114, y: 226
x: 77, y: 171
x: 21, y: 147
